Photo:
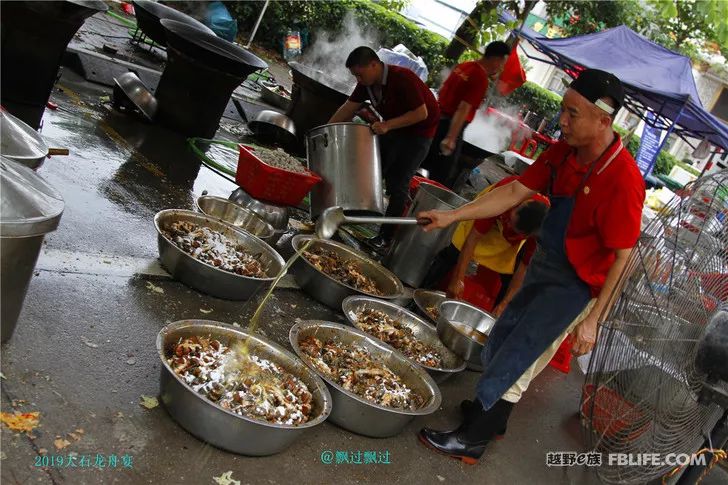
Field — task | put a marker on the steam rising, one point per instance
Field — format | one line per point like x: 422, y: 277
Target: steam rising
x: 492, y: 133
x: 329, y: 50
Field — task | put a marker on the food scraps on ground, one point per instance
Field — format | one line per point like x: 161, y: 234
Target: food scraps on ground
x: 148, y: 402
x: 16, y: 421
x: 241, y: 382
x: 353, y: 368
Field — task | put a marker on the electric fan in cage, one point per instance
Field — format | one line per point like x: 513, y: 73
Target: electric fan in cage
x: 658, y: 378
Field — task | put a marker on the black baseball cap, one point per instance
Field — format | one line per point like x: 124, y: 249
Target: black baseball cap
x: 595, y: 84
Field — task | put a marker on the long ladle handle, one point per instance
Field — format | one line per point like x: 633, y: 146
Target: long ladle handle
x: 421, y: 221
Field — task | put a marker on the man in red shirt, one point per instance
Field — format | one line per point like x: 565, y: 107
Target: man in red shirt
x: 460, y: 96
x: 597, y: 194
x: 410, y: 113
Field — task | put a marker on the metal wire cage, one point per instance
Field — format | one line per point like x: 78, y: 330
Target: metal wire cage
x: 641, y: 390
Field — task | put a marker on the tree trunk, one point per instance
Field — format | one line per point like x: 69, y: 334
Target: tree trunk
x: 466, y: 33
x: 522, y: 16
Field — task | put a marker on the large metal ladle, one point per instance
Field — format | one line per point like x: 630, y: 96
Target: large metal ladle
x: 331, y: 218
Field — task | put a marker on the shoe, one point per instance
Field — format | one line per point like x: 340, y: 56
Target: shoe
x: 468, y: 442
x: 449, y: 443
x: 470, y: 411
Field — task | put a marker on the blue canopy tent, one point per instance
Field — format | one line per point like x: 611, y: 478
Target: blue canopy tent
x: 657, y: 80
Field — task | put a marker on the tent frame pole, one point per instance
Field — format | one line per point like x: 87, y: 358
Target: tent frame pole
x: 257, y: 24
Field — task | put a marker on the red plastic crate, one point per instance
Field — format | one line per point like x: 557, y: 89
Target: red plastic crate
x: 272, y: 184
x: 562, y: 359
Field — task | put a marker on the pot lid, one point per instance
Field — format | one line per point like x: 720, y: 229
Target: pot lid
x: 19, y: 141
x: 29, y: 206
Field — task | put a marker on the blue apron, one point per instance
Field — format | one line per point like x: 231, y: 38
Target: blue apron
x: 551, y: 297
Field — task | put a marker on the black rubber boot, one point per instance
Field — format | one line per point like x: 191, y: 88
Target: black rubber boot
x: 470, y: 411
x: 468, y: 442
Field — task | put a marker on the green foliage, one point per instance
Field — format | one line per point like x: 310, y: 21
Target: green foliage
x: 394, y: 5
x: 680, y: 25
x: 534, y: 98
x: 664, y: 162
x: 580, y: 17
x: 326, y: 16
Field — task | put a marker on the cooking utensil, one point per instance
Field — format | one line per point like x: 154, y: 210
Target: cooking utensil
x: 346, y: 156
x: 222, y: 428
x: 272, y: 127
x: 423, y: 331
x: 133, y: 90
x: 315, y: 97
x: 20, y: 142
x: 207, y: 278
x: 331, y: 218
x: 352, y: 412
x: 458, y: 314
x: 413, y: 250
x: 237, y: 216
x: 35, y: 35
x: 425, y: 299
x: 149, y: 15
x: 332, y: 292
x: 29, y: 209
x: 199, y: 77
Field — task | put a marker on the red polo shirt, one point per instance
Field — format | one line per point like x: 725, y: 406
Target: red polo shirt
x: 467, y: 82
x: 608, y: 210
x: 403, y: 91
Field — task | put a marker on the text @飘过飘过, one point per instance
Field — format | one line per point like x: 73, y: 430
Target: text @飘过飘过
x: 358, y: 457
x: 75, y: 460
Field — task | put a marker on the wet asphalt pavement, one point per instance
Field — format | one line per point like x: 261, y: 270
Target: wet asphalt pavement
x: 83, y: 352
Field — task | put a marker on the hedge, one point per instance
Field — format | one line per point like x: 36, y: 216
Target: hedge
x: 531, y: 97
x: 311, y: 17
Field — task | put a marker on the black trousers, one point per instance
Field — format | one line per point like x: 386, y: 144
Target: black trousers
x: 444, y: 168
x: 402, y: 155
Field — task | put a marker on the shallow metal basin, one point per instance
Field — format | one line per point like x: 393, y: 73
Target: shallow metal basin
x: 353, y: 412
x: 220, y: 427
